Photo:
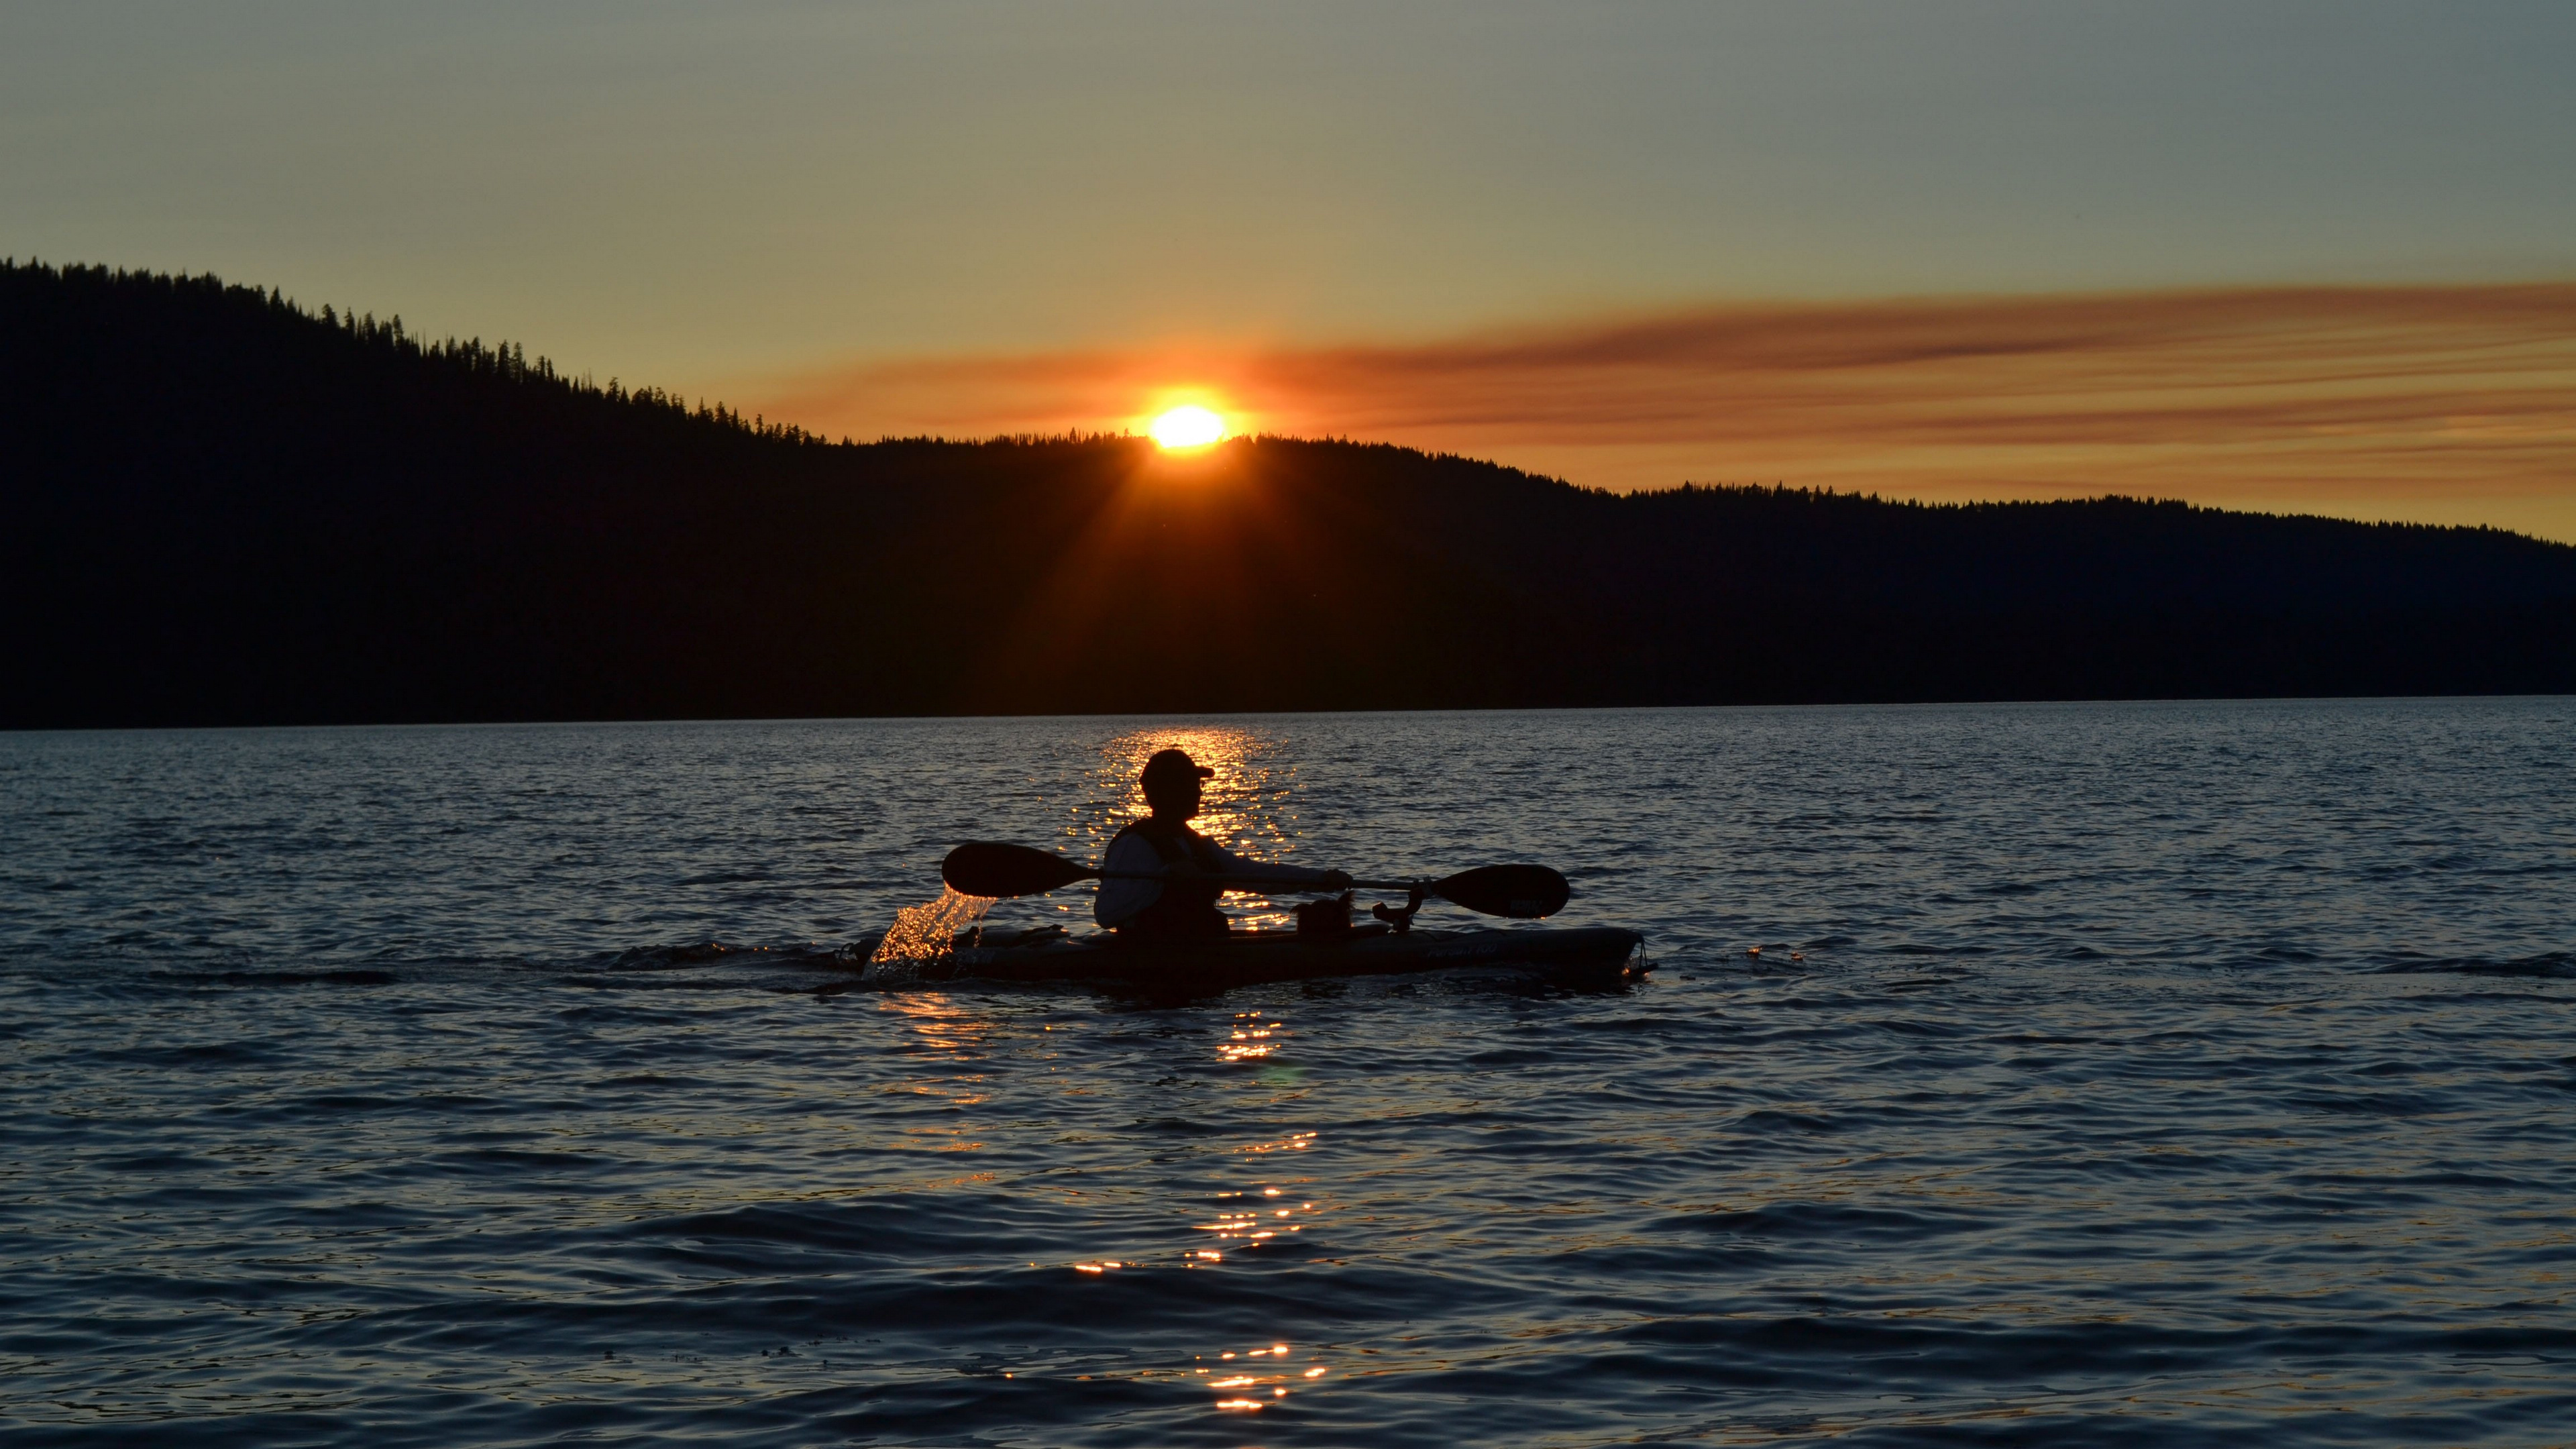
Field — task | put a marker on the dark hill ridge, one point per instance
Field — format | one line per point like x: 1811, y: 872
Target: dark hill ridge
x: 222, y: 510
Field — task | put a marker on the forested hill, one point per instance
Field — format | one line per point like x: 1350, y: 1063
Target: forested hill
x: 224, y: 510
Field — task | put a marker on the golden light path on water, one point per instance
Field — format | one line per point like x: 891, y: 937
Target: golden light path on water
x: 1245, y: 1220
x: 1247, y: 806
x: 1277, y: 1205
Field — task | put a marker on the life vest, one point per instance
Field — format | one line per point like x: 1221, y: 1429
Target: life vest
x: 1186, y: 907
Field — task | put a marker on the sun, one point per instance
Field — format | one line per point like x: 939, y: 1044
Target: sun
x: 1187, y: 428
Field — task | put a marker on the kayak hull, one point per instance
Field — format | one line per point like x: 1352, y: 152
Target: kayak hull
x: 1253, y: 958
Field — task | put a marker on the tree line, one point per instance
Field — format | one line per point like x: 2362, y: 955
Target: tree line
x: 226, y: 509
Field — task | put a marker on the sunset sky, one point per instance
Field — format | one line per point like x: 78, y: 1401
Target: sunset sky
x: 2289, y: 256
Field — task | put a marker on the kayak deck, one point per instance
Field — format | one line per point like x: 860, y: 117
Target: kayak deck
x: 1251, y: 958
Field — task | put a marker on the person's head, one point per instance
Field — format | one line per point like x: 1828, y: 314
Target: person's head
x: 1172, y: 784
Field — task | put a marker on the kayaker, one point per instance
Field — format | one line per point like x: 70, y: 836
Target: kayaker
x: 1182, y: 904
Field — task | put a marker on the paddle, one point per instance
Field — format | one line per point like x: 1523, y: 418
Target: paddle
x: 989, y: 868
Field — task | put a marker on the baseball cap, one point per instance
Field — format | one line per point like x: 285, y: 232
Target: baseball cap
x: 1175, y: 765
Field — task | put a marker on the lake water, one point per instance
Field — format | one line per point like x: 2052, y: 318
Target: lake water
x: 2110, y: 1074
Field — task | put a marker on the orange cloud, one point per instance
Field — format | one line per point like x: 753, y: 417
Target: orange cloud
x: 2442, y: 403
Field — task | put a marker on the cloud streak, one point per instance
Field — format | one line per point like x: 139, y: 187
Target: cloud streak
x: 2448, y: 403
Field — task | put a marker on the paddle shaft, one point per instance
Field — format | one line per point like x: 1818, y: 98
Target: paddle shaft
x: 991, y: 868
x: 1250, y: 880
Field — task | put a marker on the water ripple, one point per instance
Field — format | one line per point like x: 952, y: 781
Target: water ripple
x: 2167, y: 1074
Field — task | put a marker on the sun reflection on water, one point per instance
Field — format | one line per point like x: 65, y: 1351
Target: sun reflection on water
x: 1245, y: 1383
x: 1247, y: 806
x: 941, y: 1022
x: 1253, y: 1037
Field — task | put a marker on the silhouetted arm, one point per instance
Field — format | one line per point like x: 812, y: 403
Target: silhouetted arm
x: 1273, y: 873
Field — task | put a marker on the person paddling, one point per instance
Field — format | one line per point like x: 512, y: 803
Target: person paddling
x: 1165, y: 877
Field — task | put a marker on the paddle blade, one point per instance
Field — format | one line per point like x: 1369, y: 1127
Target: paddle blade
x: 988, y: 868
x: 1522, y: 892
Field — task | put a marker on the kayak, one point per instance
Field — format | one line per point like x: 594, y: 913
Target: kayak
x: 1251, y: 958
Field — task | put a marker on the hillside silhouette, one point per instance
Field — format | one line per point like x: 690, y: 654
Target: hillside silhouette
x: 225, y: 510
